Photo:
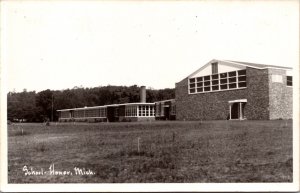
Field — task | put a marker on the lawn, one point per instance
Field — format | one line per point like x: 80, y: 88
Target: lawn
x: 162, y: 151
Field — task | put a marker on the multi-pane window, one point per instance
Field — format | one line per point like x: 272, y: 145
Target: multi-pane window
x: 146, y: 110
x: 242, y: 80
x: 217, y: 82
x: 130, y: 111
x: 79, y: 113
x: 65, y: 114
x: 92, y: 113
x: 289, y: 80
x: 206, y: 83
x: 97, y: 112
x: 152, y: 110
x: 232, y: 80
x: 224, y: 81
x: 102, y: 112
x: 192, y: 85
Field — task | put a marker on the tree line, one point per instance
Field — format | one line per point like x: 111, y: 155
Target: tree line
x: 41, y: 106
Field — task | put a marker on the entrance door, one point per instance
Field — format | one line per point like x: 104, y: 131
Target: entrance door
x: 235, y: 111
x: 167, y: 113
x: 110, y: 114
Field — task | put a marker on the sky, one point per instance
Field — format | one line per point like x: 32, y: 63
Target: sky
x: 62, y: 44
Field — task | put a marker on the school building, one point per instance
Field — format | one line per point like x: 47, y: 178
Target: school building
x: 223, y: 89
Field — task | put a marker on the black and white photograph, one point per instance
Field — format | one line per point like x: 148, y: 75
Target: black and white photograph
x: 149, y: 95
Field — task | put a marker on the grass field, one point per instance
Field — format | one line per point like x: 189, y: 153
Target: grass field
x: 215, y: 151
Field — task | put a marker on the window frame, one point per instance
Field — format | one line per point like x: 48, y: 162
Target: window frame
x: 289, y: 81
x: 214, y: 68
x: 218, y: 82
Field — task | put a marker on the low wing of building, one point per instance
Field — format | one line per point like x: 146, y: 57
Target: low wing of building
x: 110, y: 113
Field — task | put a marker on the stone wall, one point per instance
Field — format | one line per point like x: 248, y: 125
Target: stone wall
x: 204, y: 106
x: 257, y: 107
x: 214, y: 105
x: 281, y: 96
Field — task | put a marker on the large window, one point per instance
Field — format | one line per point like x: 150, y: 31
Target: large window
x: 97, y: 112
x: 65, y: 114
x: 79, y: 113
x: 102, y: 112
x: 152, y: 110
x: 289, y: 80
x: 146, y: 111
x: 130, y: 111
x: 91, y: 113
x: 217, y: 82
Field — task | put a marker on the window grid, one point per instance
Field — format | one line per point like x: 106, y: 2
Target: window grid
x: 216, y: 82
x: 130, y: 111
x: 65, y: 114
x: 146, y: 111
x: 152, y: 111
x: 102, y: 112
x: 92, y: 113
x: 78, y: 113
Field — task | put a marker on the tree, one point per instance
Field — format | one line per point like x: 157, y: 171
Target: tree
x: 35, y: 107
x: 44, y: 101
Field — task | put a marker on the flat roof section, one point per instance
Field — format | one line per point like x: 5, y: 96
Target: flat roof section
x: 104, y: 106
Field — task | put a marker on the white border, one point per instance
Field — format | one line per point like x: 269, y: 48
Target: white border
x: 174, y: 187
x: 156, y: 187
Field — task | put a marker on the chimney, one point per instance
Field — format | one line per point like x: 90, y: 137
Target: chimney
x: 143, y: 94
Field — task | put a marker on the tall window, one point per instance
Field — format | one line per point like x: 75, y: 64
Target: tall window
x: 289, y: 80
x: 152, y: 110
x: 214, y: 68
x: 192, y: 85
x: 102, y: 112
x: 131, y: 111
x: 217, y: 82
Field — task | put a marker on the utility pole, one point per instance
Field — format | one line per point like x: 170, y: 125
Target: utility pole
x: 52, y: 108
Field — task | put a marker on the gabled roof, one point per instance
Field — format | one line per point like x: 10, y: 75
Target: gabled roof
x: 247, y: 64
x: 260, y: 66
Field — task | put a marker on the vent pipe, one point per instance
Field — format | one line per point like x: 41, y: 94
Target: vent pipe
x: 143, y: 94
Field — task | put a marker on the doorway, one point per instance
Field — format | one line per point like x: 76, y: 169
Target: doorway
x: 167, y: 112
x: 237, y: 109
